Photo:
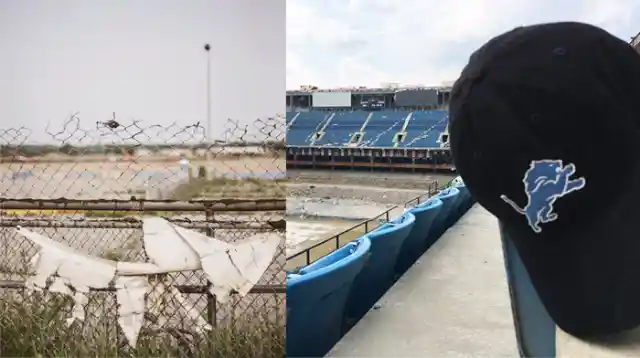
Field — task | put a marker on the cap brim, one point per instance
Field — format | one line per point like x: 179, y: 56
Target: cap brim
x: 589, y: 278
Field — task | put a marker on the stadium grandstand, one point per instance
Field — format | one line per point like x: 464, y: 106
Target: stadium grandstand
x: 635, y: 42
x: 390, y: 128
x: 376, y: 129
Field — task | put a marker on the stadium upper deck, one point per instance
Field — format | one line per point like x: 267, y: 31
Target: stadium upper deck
x: 311, y: 97
x: 635, y: 42
x: 391, y: 117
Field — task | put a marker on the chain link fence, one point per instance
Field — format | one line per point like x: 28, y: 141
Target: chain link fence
x: 89, y: 187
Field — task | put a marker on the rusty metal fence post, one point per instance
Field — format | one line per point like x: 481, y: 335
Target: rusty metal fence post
x: 212, y: 305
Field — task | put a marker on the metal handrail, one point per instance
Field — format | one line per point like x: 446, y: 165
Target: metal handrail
x: 227, y: 204
x: 433, y: 189
x: 635, y: 41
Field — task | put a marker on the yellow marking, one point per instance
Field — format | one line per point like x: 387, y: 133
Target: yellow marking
x: 41, y: 212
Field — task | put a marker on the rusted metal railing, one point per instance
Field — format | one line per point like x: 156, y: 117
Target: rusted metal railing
x: 359, y: 229
x: 277, y: 204
x: 124, y: 223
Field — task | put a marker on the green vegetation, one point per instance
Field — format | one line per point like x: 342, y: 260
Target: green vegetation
x: 131, y: 247
x: 33, y: 150
x: 229, y: 188
x: 201, y: 187
x: 34, y: 325
x: 29, y: 328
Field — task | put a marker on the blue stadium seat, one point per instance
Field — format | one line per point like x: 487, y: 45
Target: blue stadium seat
x: 302, y: 130
x: 316, y: 299
x: 379, y: 128
x: 424, y: 129
x: 289, y: 117
x: 342, y: 126
x: 382, y: 128
x: 415, y: 243
x: 378, y: 274
x: 297, y: 137
x: 449, y: 199
x: 311, y: 121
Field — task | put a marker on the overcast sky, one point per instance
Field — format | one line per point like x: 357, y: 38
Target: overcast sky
x: 365, y: 42
x: 143, y: 60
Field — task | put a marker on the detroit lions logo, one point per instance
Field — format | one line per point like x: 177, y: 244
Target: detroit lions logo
x: 544, y: 182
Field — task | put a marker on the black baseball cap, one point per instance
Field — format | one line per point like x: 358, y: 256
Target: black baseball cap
x: 545, y: 131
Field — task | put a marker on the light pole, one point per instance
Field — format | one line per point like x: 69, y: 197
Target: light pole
x: 209, y: 130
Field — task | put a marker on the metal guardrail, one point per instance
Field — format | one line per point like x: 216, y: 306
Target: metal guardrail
x: 276, y: 204
x: 635, y: 42
x: 363, y: 227
x: 132, y: 223
x: 190, y: 289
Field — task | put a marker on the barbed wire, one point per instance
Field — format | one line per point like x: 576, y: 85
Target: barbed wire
x: 119, y: 161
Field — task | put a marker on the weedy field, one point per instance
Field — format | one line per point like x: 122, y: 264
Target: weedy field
x: 34, y: 324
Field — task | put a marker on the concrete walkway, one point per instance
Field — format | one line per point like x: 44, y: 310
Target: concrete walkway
x: 453, y: 302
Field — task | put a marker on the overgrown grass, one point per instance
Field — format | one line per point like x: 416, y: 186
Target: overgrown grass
x: 29, y: 328
x: 221, y: 187
x: 33, y: 325
x: 131, y: 245
x: 216, y: 188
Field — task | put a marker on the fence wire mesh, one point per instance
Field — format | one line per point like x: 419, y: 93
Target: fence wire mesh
x: 131, y: 161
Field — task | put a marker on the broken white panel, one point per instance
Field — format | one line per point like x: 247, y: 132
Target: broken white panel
x: 130, y: 295
x: 229, y: 267
x: 171, y: 248
x: 69, y: 269
x: 180, y: 300
x: 56, y: 258
x: 80, y: 301
x: 232, y: 267
x: 75, y: 269
x: 174, y: 301
x: 166, y: 248
x: 75, y: 274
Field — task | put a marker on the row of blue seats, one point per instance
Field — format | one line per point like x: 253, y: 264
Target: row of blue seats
x: 326, y: 298
x: 386, y: 128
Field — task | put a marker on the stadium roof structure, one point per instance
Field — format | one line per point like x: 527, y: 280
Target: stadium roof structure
x: 635, y: 42
x: 309, y: 89
x: 363, y: 90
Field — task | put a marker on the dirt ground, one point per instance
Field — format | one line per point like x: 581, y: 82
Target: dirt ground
x: 382, y: 188
x: 374, y: 193
x: 116, y: 180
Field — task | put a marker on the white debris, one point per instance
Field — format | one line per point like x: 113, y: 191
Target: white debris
x: 229, y: 267
x: 166, y: 248
x: 232, y: 267
x: 180, y: 301
x: 171, y: 298
x: 80, y: 300
x: 184, y: 163
x: 70, y: 267
x: 60, y: 286
x: 130, y: 294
